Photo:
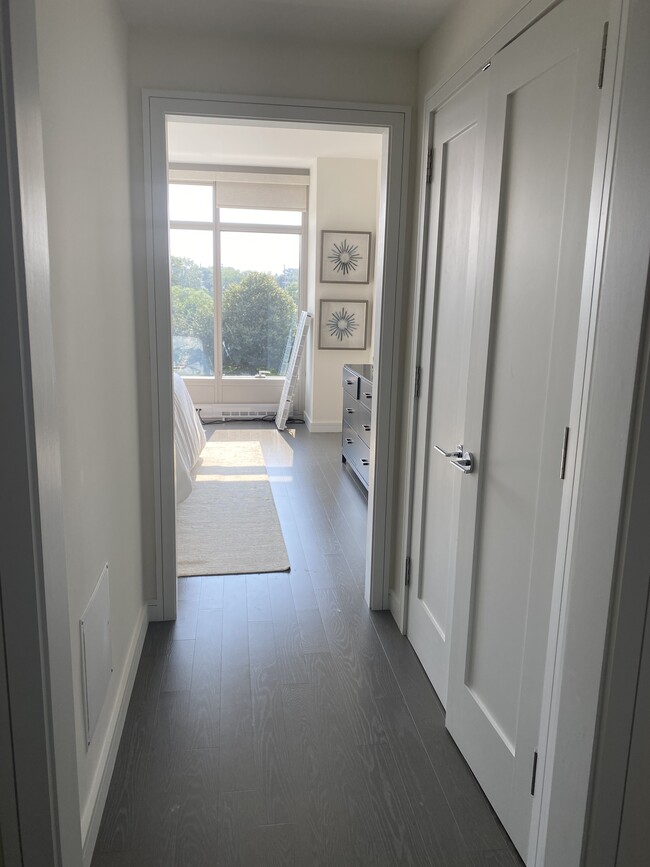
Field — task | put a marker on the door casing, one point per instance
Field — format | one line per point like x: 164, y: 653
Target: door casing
x: 394, y: 123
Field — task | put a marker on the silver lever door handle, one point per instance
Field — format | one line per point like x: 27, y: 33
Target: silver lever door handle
x: 465, y: 463
x: 456, y: 454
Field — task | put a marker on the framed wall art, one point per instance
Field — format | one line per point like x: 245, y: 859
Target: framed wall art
x: 342, y: 324
x: 345, y: 257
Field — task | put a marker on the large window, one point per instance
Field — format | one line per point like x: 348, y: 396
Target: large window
x: 236, y: 250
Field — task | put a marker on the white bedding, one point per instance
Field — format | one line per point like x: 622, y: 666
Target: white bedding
x: 189, y: 438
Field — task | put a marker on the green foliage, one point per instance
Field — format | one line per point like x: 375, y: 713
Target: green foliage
x: 193, y: 316
x: 289, y: 280
x: 187, y: 273
x: 258, y: 316
x: 230, y: 276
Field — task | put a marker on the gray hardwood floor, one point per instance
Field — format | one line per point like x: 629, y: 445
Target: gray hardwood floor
x: 279, y: 722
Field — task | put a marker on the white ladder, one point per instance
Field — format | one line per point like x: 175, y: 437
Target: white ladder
x: 293, y: 369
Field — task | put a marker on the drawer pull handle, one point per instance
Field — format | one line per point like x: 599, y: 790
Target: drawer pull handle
x: 367, y: 394
x: 349, y: 382
x: 347, y: 409
x: 365, y: 462
x: 366, y: 427
x: 349, y: 441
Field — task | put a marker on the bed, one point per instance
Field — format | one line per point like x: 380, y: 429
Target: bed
x: 189, y: 438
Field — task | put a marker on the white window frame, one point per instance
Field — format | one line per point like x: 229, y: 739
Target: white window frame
x: 221, y: 388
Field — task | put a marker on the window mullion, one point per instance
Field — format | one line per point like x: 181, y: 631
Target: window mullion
x: 218, y: 335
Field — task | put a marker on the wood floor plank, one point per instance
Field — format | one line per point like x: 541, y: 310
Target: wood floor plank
x: 269, y: 731
x: 238, y: 768
x: 478, y: 825
x: 395, y: 820
x: 288, y: 645
x: 436, y: 822
x: 312, y: 633
x: 198, y: 795
x: 496, y: 858
x: 302, y: 590
x: 204, y: 707
x: 240, y: 813
x: 211, y: 592
x: 271, y: 845
x: 189, y: 589
x: 355, y: 688
x: 185, y: 625
x: 258, y: 600
x: 158, y: 639
x: 336, y: 737
x: 117, y: 832
x: 178, y: 670
x: 319, y: 816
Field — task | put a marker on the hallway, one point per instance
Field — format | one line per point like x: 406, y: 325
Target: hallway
x: 278, y: 721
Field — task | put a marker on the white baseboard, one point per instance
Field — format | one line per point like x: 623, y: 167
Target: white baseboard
x: 323, y: 426
x: 92, y: 815
x: 395, y: 607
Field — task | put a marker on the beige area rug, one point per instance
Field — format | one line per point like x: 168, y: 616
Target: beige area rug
x: 229, y: 524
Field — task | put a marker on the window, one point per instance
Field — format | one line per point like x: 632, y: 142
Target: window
x: 236, y: 272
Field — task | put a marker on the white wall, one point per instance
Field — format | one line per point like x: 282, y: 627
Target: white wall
x: 343, y: 195
x: 465, y: 28
x: 83, y: 78
x: 210, y: 64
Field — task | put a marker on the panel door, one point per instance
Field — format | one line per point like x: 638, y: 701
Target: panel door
x: 458, y: 134
x: 543, y: 109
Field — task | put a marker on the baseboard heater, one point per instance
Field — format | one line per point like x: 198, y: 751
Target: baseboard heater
x: 227, y: 411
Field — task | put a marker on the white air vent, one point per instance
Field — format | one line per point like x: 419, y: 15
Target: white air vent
x: 96, y: 655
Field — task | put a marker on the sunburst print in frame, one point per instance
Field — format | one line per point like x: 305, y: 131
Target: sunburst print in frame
x: 342, y: 324
x: 345, y: 257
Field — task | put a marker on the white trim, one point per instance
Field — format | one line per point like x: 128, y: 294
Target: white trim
x: 323, y: 426
x: 91, y: 815
x: 394, y: 121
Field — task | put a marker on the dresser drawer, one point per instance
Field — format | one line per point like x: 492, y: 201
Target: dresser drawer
x: 349, y: 441
x: 362, y: 423
x: 351, y: 383
x: 351, y: 410
x: 362, y: 461
x: 365, y: 392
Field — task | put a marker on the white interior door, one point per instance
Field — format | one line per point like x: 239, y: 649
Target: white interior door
x: 540, y: 140
x: 458, y: 138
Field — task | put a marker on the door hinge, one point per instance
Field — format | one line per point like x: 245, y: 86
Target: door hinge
x: 565, y: 443
x: 603, y: 54
x: 430, y: 165
x: 418, y: 380
x: 407, y: 572
x: 532, y: 782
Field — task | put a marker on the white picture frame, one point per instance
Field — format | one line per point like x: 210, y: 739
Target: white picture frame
x: 345, y: 257
x: 342, y: 324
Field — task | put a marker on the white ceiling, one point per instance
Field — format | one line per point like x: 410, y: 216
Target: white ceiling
x: 210, y: 141
x: 389, y: 23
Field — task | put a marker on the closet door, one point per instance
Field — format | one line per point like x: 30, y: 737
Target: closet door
x: 457, y: 152
x: 543, y: 109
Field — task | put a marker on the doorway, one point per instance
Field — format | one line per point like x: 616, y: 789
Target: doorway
x: 250, y: 206
x: 393, y: 126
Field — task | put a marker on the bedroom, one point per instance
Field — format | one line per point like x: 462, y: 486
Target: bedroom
x: 253, y: 214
